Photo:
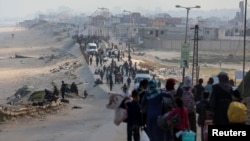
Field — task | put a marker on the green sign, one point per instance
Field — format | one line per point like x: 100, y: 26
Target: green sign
x: 184, y: 55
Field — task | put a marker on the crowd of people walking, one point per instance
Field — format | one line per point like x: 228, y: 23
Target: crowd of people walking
x: 209, y: 102
x: 149, y: 101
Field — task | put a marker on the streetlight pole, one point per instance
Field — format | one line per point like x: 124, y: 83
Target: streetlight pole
x: 129, y: 38
x: 186, y: 25
x: 185, y: 41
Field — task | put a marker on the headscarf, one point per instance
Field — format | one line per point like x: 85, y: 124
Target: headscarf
x: 152, y: 89
x: 170, y: 82
x: 187, y: 82
x: 152, y: 84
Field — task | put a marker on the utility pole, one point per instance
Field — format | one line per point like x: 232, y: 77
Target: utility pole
x: 244, y: 49
x: 196, y: 68
x: 129, y: 36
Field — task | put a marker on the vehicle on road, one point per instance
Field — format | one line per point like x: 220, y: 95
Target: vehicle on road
x: 91, y: 48
x: 140, y: 75
x: 111, y: 52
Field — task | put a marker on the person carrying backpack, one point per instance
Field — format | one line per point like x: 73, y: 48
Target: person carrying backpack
x: 168, y: 104
x: 187, y: 97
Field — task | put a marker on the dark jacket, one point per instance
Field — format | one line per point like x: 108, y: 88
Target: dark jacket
x: 219, y: 103
x: 199, y: 89
x: 202, y: 108
x: 134, y: 113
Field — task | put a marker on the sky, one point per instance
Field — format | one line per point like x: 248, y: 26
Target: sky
x: 24, y: 8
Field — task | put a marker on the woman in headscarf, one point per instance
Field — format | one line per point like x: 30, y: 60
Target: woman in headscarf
x: 170, y: 83
x: 220, y: 99
x: 153, y: 100
x: 186, y: 84
x: 187, y: 96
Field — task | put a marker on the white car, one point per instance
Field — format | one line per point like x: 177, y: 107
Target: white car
x: 111, y: 52
x: 139, y: 77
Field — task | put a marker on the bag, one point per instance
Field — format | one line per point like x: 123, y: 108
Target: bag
x: 120, y: 115
x: 237, y: 112
x: 144, y: 136
x: 167, y: 106
x: 167, y: 101
x: 165, y: 124
x: 162, y: 121
x: 188, y: 136
x: 115, y: 101
x: 188, y: 100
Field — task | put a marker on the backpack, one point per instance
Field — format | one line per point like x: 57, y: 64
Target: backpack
x: 165, y: 124
x: 188, y: 100
x: 167, y: 106
x: 237, y: 112
x: 167, y: 101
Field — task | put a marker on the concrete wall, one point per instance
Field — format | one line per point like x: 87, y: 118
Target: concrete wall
x: 204, y: 45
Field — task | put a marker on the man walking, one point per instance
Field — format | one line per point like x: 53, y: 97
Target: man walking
x: 63, y: 89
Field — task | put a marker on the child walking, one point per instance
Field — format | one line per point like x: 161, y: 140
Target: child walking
x: 134, y: 117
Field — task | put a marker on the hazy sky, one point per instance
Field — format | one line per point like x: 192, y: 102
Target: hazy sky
x: 22, y: 8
